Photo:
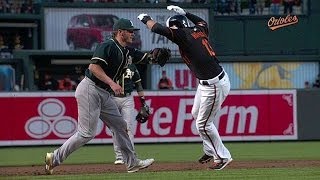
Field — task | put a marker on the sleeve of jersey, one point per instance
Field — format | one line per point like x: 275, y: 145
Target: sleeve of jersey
x: 139, y: 57
x: 193, y: 18
x: 136, y: 79
x: 100, y: 55
x: 162, y: 30
x: 136, y: 76
x: 198, y: 21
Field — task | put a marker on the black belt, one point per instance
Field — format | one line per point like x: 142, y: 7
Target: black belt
x: 213, y: 80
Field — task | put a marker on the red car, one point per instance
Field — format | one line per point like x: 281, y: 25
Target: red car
x: 86, y: 31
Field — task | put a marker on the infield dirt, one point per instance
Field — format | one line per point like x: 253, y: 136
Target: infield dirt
x: 77, y: 169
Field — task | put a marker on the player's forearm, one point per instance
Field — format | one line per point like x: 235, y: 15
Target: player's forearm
x: 139, y: 87
x: 193, y: 18
x: 150, y: 24
x: 100, y: 74
x: 141, y: 93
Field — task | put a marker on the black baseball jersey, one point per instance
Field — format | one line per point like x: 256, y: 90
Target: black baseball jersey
x: 114, y: 60
x: 129, y: 78
x: 194, y: 47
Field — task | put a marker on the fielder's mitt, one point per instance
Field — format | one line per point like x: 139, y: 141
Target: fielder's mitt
x: 160, y: 55
x: 143, y: 114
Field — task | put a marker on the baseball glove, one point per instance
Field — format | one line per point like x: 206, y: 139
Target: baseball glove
x: 143, y: 114
x: 160, y: 55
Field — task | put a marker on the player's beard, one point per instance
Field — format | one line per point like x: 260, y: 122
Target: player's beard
x: 128, y: 38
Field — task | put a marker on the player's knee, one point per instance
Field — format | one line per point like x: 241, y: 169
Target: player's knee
x: 87, y: 136
x: 202, y: 127
x: 194, y: 113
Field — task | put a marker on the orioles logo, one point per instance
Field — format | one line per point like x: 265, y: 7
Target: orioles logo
x: 276, y: 23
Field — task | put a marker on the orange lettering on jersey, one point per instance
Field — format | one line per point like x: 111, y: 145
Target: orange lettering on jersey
x: 199, y: 34
x: 184, y: 57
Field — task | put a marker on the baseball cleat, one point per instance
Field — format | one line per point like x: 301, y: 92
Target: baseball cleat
x: 49, y: 163
x: 118, y: 162
x: 205, y: 158
x: 222, y: 164
x: 141, y: 165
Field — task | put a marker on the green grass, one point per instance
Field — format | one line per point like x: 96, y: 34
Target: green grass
x: 187, y: 152
x: 15, y: 156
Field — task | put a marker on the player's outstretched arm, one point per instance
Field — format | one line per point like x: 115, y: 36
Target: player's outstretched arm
x: 147, y: 20
x: 193, y: 18
x: 177, y: 9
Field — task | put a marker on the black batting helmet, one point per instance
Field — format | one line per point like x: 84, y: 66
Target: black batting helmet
x: 179, y: 21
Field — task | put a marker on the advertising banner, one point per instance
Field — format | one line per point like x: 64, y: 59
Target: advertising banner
x: 51, y: 118
x: 244, y: 75
x: 83, y: 28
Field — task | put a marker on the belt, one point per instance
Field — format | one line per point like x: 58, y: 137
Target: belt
x: 99, y: 84
x: 122, y: 95
x: 213, y: 80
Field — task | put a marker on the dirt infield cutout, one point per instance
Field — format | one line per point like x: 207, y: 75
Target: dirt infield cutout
x: 67, y: 169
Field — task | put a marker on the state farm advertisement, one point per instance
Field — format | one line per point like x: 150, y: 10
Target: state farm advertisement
x: 50, y: 118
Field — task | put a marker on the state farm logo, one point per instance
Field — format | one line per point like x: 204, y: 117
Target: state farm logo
x: 276, y: 23
x: 51, y: 119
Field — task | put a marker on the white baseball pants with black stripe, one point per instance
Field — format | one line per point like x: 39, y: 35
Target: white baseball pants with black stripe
x: 207, y: 103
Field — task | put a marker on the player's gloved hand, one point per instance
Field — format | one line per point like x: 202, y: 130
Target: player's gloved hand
x: 144, y: 18
x: 177, y: 9
x: 143, y: 114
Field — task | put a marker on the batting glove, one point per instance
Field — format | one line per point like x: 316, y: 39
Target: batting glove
x: 177, y: 9
x: 144, y: 18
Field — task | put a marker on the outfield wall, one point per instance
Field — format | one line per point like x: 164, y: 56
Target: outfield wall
x: 49, y: 118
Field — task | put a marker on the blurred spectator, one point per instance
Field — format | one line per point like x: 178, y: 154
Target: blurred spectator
x: 316, y: 84
x: 275, y: 6
x: 260, y: 6
x: 252, y: 6
x: 288, y: 5
x: 307, y: 85
x: 49, y: 83
x: 175, y: 1
x: 197, y: 1
x: 17, y: 42
x: 27, y: 7
x: 222, y: 6
x: 2, y: 43
x: 3, y: 6
x: 165, y: 82
x: 17, y: 6
x: 5, y: 52
x: 66, y: 1
x: 66, y: 84
x: 7, y: 78
x: 79, y: 79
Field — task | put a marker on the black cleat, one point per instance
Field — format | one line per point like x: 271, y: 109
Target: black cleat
x: 205, y: 158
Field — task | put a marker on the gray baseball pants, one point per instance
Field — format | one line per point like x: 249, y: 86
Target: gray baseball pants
x: 126, y: 108
x: 94, y: 103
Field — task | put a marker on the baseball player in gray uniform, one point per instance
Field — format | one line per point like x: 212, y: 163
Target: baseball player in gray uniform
x: 130, y: 79
x: 95, y: 102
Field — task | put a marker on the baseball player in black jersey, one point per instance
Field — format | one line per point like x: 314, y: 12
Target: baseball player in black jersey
x: 129, y: 81
x: 94, y: 100
x: 214, y: 84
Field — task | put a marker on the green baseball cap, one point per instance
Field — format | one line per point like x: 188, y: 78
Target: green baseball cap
x: 124, y: 24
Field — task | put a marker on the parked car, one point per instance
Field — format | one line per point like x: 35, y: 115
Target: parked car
x: 86, y: 31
